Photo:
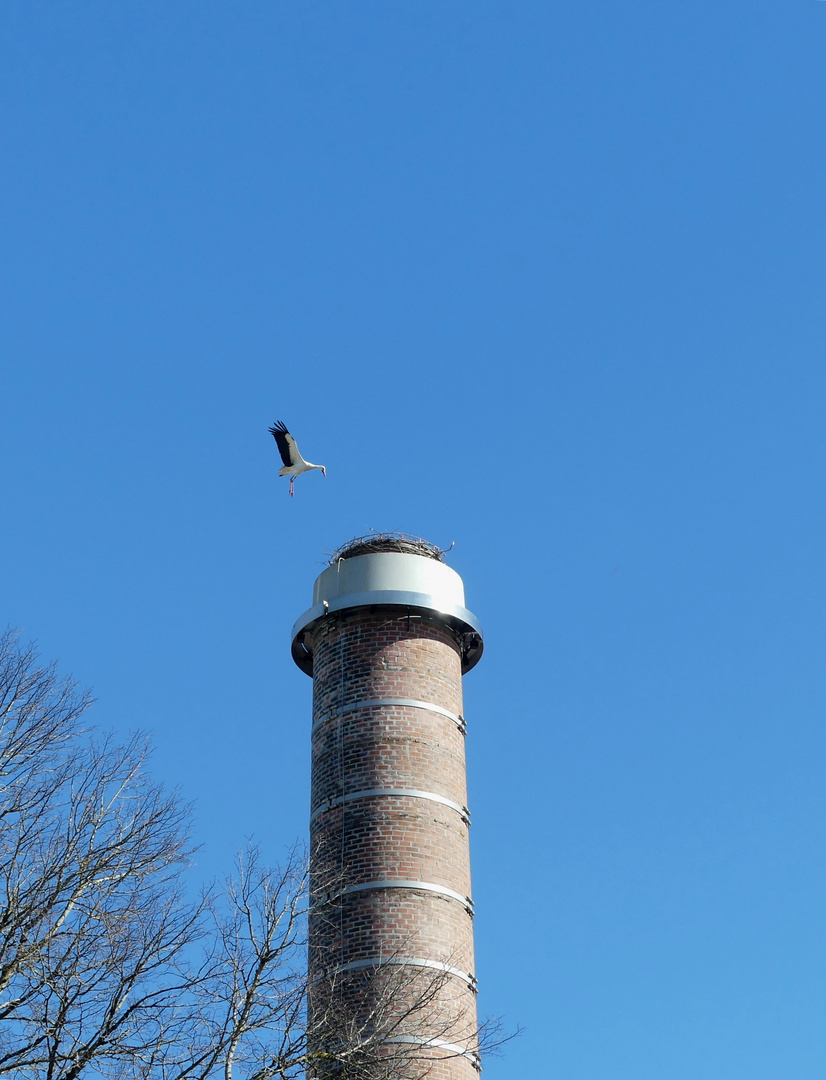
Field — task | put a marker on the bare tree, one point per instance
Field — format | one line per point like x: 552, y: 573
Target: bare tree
x: 244, y: 1007
x: 91, y: 854
x: 108, y: 968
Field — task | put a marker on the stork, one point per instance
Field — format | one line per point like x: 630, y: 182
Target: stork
x: 294, y: 463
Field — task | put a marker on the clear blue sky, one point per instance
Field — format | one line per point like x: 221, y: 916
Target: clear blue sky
x: 546, y: 279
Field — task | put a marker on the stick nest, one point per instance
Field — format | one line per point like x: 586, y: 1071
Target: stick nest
x: 388, y: 541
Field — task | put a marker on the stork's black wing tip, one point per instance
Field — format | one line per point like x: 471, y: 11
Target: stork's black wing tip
x: 284, y: 441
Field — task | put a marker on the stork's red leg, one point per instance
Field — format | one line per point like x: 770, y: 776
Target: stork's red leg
x: 292, y: 481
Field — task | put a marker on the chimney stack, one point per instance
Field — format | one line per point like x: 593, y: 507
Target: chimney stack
x: 386, y: 642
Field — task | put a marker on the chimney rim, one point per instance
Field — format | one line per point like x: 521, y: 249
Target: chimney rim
x: 457, y: 618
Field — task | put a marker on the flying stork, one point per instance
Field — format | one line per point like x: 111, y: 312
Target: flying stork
x: 294, y: 463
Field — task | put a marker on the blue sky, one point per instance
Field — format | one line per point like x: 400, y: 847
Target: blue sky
x: 546, y: 280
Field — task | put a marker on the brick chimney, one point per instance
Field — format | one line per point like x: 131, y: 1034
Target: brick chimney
x: 386, y: 642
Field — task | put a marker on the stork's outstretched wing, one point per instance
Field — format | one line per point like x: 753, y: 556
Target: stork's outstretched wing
x: 286, y: 444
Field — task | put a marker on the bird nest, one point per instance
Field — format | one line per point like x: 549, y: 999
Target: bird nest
x: 377, y: 542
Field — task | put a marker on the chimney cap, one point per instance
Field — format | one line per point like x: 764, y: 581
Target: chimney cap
x: 393, y: 580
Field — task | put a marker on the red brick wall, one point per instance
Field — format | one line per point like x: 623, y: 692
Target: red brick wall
x: 360, y: 656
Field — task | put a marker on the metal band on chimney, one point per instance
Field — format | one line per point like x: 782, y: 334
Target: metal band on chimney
x: 409, y: 961
x: 404, y: 793
x: 407, y: 703
x: 452, y: 1048
x: 421, y: 886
